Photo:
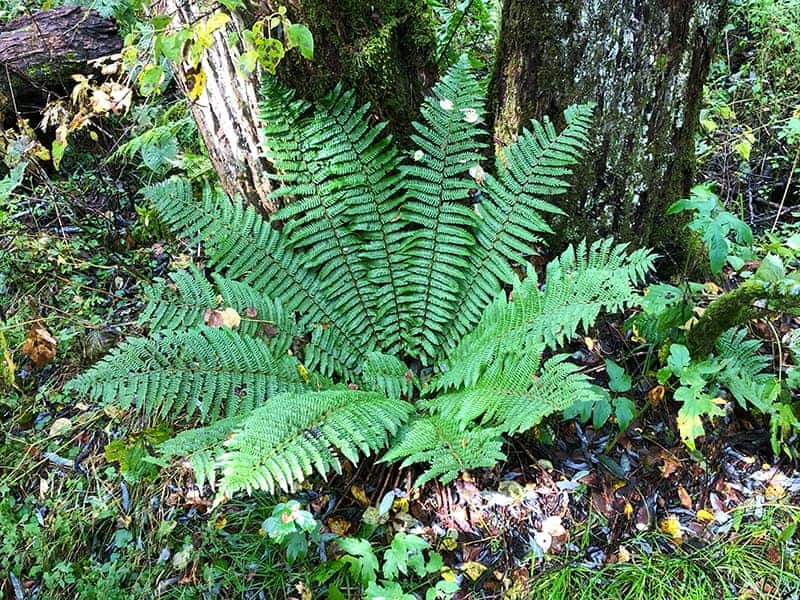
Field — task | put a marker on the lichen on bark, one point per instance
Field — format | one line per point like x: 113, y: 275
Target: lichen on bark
x: 643, y: 63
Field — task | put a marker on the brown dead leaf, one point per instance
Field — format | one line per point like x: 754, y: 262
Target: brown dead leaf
x: 684, y: 497
x: 656, y: 395
x: 227, y: 316
x: 39, y: 346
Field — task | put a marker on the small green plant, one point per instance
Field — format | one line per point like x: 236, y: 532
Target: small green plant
x: 408, y: 556
x: 293, y: 529
x: 604, y: 405
x: 727, y: 238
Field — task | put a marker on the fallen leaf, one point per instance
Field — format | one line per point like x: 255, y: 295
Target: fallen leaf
x: 672, y: 527
x: 704, y: 515
x: 656, y: 395
x: 360, y: 495
x: 338, y: 525
x: 39, y: 346
x: 473, y: 569
x: 685, y: 498
x: 60, y: 426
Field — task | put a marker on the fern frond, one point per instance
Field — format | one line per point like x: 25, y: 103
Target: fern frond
x: 387, y: 374
x: 448, y: 448
x: 293, y: 435
x: 517, y: 397
x: 316, y: 222
x: 743, y: 372
x: 242, y: 246
x: 448, y: 143
x: 202, y: 372
x: 200, y: 446
x: 531, y: 170
x: 183, y: 303
x: 578, y: 286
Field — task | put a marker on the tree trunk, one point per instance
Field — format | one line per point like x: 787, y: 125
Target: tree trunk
x: 385, y: 55
x: 644, y: 63
x: 39, y: 53
x: 226, y: 111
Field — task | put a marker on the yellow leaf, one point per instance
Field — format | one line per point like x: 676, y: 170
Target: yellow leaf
x: 672, y: 527
x: 447, y: 574
x: 338, y: 525
x: 199, y: 84
x: 473, y: 569
x: 449, y: 543
x: 359, y: 494
x: 220, y: 522
x: 704, y: 515
x: 303, y: 372
x: 774, y: 491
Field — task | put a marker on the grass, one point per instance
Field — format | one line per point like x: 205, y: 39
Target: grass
x: 758, y: 561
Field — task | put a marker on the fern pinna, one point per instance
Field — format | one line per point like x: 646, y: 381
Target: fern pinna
x: 383, y: 281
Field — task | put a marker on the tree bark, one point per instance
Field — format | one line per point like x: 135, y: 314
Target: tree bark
x: 644, y: 63
x: 385, y: 55
x: 39, y: 53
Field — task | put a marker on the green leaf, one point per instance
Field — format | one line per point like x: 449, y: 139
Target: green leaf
x: 679, y: 358
x: 624, y: 411
x: 600, y: 413
x: 299, y: 36
x: 618, y: 380
x: 714, y: 238
x: 363, y: 562
x: 771, y: 269
x: 271, y: 52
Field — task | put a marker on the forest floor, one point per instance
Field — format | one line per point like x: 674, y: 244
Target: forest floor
x: 574, y: 513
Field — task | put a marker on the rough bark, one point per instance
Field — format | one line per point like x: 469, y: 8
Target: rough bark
x: 39, y: 53
x: 226, y: 111
x: 385, y: 55
x: 644, y: 63
x: 385, y: 50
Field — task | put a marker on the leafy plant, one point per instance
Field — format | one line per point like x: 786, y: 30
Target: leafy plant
x: 727, y: 238
x: 382, y: 285
x: 603, y: 405
x: 407, y: 555
x: 737, y: 368
x: 292, y: 528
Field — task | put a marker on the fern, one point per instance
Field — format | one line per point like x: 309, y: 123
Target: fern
x: 292, y: 435
x: 446, y: 448
x: 743, y: 371
x: 387, y: 374
x: 211, y: 372
x: 375, y: 283
x: 448, y: 146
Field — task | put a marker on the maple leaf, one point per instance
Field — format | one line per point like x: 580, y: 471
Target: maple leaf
x: 696, y: 405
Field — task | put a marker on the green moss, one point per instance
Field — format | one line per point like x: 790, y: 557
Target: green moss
x: 384, y: 50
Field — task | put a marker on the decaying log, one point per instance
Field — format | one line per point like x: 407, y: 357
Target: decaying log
x: 39, y: 54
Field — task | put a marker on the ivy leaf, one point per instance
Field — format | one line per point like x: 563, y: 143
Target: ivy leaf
x: 300, y: 36
x: 618, y: 380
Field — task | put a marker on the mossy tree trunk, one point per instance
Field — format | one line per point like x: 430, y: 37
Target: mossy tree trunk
x: 383, y: 50
x: 644, y: 63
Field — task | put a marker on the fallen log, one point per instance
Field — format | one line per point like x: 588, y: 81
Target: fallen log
x: 39, y: 54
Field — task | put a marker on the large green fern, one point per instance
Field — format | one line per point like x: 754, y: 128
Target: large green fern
x: 383, y: 280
